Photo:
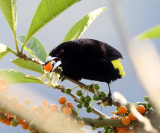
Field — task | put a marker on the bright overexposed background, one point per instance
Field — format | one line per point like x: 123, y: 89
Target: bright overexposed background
x: 138, y: 15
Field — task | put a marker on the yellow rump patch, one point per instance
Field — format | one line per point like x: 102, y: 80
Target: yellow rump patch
x: 117, y: 65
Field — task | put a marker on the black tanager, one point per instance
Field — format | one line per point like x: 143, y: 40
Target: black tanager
x: 89, y: 59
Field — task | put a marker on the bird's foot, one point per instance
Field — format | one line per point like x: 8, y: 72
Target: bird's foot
x: 49, y: 83
x: 44, y: 76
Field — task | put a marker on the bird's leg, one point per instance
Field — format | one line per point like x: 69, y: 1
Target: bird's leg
x: 109, y: 95
x: 61, y: 76
x: 49, y: 82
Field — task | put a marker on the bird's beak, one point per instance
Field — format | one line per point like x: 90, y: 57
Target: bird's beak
x: 55, y: 62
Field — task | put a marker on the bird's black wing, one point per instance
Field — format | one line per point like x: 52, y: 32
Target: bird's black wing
x: 111, y: 53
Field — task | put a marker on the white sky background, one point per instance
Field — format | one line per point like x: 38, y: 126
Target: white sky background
x: 139, y: 15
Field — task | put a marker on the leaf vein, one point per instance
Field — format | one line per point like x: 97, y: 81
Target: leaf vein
x: 56, y: 7
x: 50, y: 9
x: 5, y: 2
x: 65, y: 3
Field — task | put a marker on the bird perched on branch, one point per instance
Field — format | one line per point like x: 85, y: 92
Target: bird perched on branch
x: 88, y: 59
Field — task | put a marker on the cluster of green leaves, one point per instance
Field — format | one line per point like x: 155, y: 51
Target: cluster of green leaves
x: 46, y: 11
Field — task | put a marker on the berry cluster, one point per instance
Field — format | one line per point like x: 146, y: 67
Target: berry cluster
x: 37, y: 119
x: 126, y: 118
x: 86, y: 100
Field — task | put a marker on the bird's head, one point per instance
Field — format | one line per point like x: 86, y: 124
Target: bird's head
x: 54, y: 58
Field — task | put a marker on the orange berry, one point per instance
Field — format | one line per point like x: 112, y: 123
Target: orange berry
x: 122, y: 130
x: 131, y: 131
x: 132, y: 117
x: 25, y: 126
x: 48, y: 67
x: 54, y: 107
x: 62, y: 100
x: 122, y: 110
x: 6, y: 121
x: 3, y: 82
x: 4, y: 89
x: 126, y: 120
x: 20, y: 107
x: 141, y: 109
x: 20, y: 121
x: 70, y: 105
x: 67, y: 111
x: 44, y: 102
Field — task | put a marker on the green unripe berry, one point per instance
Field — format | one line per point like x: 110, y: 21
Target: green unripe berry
x: 79, y: 93
x: 79, y: 105
x: 2, y: 117
x: 147, y: 99
x: 68, y: 91
x: 102, y: 94
x: 96, y: 86
x: 96, y: 97
x: 110, y: 131
x: 105, y: 129
x: 14, y: 122
x: 81, y: 99
x: 85, y: 105
x: 93, y: 128
x: 87, y: 99
x: 88, y: 109
x: 31, y: 127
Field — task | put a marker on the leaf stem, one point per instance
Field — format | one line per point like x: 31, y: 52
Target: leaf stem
x: 23, y: 46
x: 15, y: 39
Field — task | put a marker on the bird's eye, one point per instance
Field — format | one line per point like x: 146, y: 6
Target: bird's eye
x: 61, y: 52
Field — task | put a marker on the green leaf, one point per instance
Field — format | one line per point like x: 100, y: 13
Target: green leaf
x: 34, y: 47
x: 14, y: 76
x: 150, y: 34
x: 46, y: 11
x: 27, y: 64
x: 9, y: 10
x: 4, y: 49
x: 80, y: 27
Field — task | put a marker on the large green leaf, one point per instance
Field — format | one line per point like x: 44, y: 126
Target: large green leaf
x: 4, y: 49
x: 34, y: 47
x: 14, y: 76
x: 79, y: 27
x: 27, y: 64
x: 150, y: 34
x: 9, y: 10
x: 46, y: 11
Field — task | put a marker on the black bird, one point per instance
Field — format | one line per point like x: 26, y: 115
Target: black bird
x: 89, y: 59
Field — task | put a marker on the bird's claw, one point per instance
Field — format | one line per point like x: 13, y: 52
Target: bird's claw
x: 49, y: 83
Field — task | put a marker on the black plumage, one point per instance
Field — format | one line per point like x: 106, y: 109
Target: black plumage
x: 88, y: 59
